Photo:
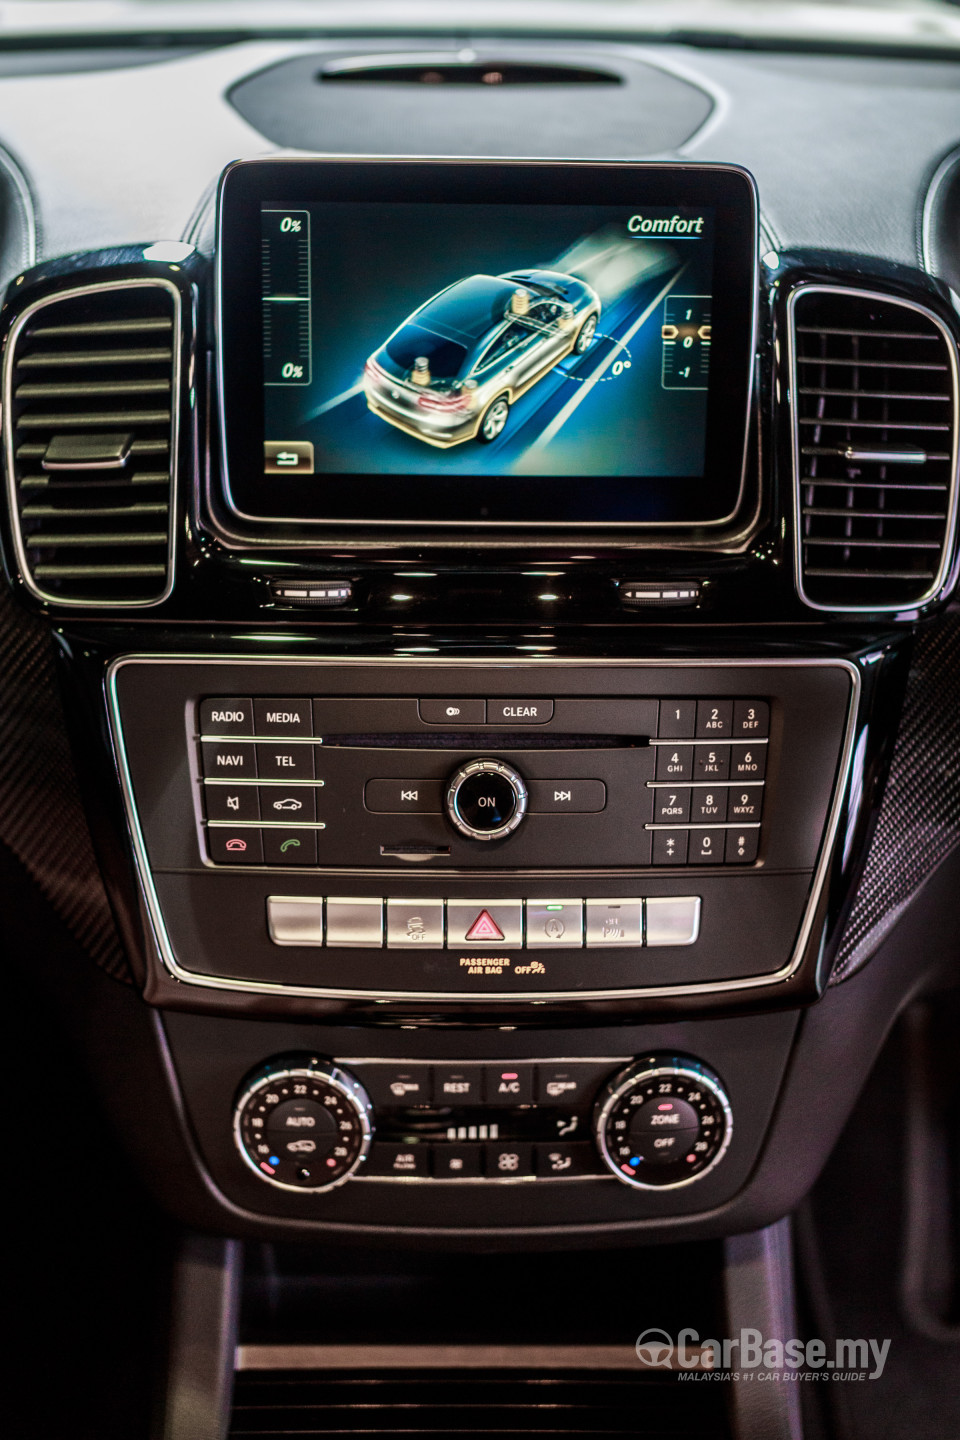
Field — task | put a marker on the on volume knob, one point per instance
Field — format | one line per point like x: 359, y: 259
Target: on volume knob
x: 663, y: 1122
x: 486, y: 799
x: 303, y: 1124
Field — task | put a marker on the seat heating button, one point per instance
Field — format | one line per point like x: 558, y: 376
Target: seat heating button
x: 673, y: 920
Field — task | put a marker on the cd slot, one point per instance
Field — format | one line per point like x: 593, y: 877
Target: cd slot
x: 485, y: 739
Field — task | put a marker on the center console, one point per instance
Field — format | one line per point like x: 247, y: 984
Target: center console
x: 484, y: 598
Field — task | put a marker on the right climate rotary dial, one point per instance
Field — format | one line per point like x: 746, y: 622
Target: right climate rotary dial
x: 663, y: 1122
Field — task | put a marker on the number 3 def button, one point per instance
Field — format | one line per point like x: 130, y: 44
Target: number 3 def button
x: 288, y: 457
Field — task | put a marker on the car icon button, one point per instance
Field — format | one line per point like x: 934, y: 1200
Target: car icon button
x: 293, y: 804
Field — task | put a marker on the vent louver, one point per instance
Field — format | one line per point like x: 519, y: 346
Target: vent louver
x: 90, y: 424
x: 874, y: 397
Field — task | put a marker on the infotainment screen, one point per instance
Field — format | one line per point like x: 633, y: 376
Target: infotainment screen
x: 435, y: 342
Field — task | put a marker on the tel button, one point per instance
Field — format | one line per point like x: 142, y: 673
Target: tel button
x: 453, y: 712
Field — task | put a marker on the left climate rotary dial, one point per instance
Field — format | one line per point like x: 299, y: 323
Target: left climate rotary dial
x: 302, y: 1123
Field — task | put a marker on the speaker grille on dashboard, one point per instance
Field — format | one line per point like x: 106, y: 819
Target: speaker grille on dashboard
x: 91, y: 396
x: 874, y: 404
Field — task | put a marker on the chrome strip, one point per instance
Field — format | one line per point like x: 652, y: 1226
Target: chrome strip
x: 218, y: 982
x: 8, y: 428
x: 901, y: 606
x: 512, y: 525
x: 947, y: 165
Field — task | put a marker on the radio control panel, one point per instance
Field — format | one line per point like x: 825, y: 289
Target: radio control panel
x: 482, y: 833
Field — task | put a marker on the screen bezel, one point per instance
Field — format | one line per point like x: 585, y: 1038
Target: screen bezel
x: 731, y: 190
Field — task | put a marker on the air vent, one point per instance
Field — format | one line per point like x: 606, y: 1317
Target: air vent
x: 874, y: 393
x: 90, y: 427
x: 441, y: 70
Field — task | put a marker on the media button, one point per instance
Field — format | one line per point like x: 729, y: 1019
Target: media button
x: 575, y: 797
x: 557, y: 923
x: 519, y: 712
x: 404, y: 797
x: 226, y: 717
x: 290, y: 847
x: 231, y: 802
x: 283, y: 717
x: 453, y: 712
x: 415, y: 924
x: 234, y: 846
x: 277, y: 761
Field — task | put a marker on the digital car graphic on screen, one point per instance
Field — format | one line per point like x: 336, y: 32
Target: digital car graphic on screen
x: 470, y: 340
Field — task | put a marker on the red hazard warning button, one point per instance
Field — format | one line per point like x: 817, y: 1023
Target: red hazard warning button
x: 484, y: 928
x: 478, y: 923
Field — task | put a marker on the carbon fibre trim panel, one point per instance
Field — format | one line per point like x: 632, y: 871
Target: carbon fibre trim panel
x: 41, y: 815
x: 919, y: 821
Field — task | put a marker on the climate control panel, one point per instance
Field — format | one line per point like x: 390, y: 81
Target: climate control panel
x: 305, y: 1123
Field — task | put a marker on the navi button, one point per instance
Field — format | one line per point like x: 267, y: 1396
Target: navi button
x: 223, y: 761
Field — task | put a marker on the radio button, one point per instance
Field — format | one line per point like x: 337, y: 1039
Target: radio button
x: 749, y: 762
x: 354, y: 924
x: 453, y: 712
x: 751, y: 720
x: 285, y: 762
x: 415, y: 924
x: 221, y: 760
x: 519, y: 712
x: 557, y: 923
x: 614, y: 923
x: 480, y: 923
x: 458, y: 1085
x: 706, y: 847
x: 404, y: 797
x: 226, y: 717
x: 240, y: 846
x: 670, y: 847
x: 673, y: 921
x: 576, y: 797
x: 678, y: 719
x: 290, y: 847
x: 674, y: 762
x: 714, y: 719
x: 283, y: 717
x: 231, y: 802
x: 671, y: 807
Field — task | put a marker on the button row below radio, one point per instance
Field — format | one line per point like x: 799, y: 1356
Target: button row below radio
x: 430, y: 924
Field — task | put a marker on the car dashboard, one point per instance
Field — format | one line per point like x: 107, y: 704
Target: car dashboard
x: 451, y: 850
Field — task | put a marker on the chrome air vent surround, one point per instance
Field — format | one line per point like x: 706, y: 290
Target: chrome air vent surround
x: 91, y: 389
x: 874, y: 412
